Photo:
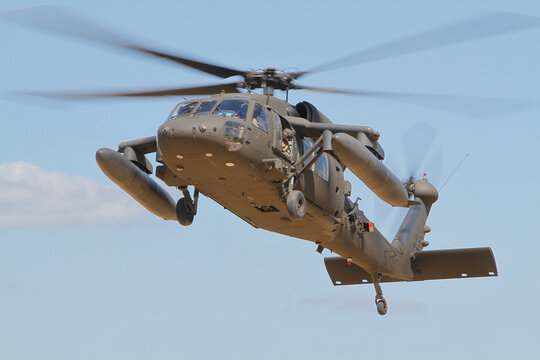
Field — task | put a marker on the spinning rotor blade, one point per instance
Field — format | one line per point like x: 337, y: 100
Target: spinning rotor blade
x: 417, y: 142
x: 200, y: 90
x: 485, y: 26
x: 433, y: 169
x: 418, y: 157
x: 55, y: 19
x: 473, y: 106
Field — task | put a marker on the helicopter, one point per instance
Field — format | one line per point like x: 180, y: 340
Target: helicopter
x: 280, y: 167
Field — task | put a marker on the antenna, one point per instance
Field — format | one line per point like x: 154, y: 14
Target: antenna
x: 453, y: 172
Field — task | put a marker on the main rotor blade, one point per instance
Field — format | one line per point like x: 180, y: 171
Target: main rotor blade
x: 200, y: 90
x: 488, y: 25
x: 53, y: 18
x: 477, y: 107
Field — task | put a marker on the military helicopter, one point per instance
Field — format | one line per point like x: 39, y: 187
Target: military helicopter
x: 280, y: 167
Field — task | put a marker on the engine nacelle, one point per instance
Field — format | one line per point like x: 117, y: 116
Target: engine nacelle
x: 311, y: 113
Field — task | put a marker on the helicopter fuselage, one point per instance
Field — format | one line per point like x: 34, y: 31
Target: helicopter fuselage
x: 242, y: 165
x: 254, y: 153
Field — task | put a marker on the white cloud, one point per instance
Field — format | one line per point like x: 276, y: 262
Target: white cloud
x: 32, y: 196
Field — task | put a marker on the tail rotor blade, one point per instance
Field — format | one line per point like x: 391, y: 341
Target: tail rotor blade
x: 417, y: 141
x: 434, y: 168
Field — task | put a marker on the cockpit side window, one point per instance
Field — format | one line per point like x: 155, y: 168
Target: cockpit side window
x: 260, y: 118
x: 277, y: 124
x: 205, y: 108
x: 307, y: 144
x: 322, y: 167
x: 183, y: 109
x: 236, y: 108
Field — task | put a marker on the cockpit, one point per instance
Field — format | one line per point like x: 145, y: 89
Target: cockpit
x: 237, y: 108
x: 234, y: 108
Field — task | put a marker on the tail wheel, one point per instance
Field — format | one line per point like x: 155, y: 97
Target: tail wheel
x: 296, y: 204
x: 382, y: 308
x: 183, y: 213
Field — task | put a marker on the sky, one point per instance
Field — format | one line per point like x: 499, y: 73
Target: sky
x: 87, y: 273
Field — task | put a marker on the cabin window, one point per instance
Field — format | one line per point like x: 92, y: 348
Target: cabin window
x: 322, y: 166
x: 236, y: 108
x: 183, y: 109
x: 260, y: 118
x: 307, y: 144
x: 205, y: 108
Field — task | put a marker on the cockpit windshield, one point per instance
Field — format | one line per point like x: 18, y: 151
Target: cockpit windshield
x: 205, y: 108
x: 229, y: 108
x: 183, y: 109
x: 236, y: 108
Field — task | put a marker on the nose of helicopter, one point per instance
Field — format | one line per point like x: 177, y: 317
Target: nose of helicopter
x: 185, y: 136
x: 185, y: 140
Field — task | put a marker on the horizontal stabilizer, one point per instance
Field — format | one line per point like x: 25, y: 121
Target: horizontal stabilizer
x: 452, y: 264
x: 427, y: 265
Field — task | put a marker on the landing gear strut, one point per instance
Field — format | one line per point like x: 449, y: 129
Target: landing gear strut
x: 382, y: 306
x: 186, y: 208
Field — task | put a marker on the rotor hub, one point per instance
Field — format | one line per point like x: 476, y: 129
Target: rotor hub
x: 270, y: 78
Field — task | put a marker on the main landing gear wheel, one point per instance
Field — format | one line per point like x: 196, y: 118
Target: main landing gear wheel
x: 183, y: 214
x: 382, y: 307
x: 296, y: 204
x: 186, y: 207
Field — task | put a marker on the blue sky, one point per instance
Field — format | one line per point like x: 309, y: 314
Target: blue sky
x: 86, y: 274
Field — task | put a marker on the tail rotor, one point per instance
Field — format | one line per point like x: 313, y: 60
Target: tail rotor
x: 417, y: 142
x: 419, y: 162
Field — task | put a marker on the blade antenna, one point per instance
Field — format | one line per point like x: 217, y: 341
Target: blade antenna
x: 453, y: 172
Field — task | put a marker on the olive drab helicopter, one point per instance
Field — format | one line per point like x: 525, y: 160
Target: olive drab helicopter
x: 280, y: 167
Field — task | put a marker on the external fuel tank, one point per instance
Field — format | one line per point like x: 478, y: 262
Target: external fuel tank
x: 136, y: 183
x: 383, y: 182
